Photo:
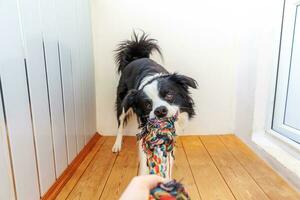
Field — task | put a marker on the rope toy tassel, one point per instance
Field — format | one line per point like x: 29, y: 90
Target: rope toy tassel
x: 172, y: 190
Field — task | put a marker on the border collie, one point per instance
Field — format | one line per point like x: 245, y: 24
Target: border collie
x: 148, y: 90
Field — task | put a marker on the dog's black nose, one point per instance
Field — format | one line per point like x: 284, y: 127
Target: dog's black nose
x: 161, y: 111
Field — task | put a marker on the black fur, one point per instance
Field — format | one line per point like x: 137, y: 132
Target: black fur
x: 133, y: 62
x: 180, y: 90
x: 137, y: 47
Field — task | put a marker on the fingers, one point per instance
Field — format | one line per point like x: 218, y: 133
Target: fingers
x: 153, y: 180
x: 140, y: 186
x: 149, y: 181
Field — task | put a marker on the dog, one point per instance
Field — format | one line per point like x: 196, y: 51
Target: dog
x: 146, y: 89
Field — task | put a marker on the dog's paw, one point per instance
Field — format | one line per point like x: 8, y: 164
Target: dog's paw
x: 117, y: 147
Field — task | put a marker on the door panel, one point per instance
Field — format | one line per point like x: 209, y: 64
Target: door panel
x: 65, y: 31
x: 77, y: 71
x: 286, y: 118
x: 38, y: 92
x: 16, y: 102
x: 50, y: 37
x: 6, y: 174
x: 90, y: 64
x: 47, y: 87
x: 292, y: 117
x: 85, y: 59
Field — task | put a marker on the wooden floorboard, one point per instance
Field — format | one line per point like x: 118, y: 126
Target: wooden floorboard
x: 211, y: 168
x: 67, y: 174
x: 182, y: 171
x: 92, y: 182
x: 239, y: 181
x: 209, y: 181
x: 79, y: 171
x: 271, y: 183
x: 124, y: 169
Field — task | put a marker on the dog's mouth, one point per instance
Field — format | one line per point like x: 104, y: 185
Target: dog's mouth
x: 163, y: 119
x: 159, y: 128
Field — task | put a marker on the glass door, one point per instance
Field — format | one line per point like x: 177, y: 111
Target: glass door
x: 286, y: 117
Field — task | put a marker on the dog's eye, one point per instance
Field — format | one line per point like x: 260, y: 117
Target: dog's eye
x: 169, y: 97
x: 148, y: 106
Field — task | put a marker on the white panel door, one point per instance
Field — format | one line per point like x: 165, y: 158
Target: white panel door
x: 77, y: 69
x: 91, y: 66
x: 16, y: 103
x: 286, y: 119
x: 7, y: 190
x: 38, y: 91
x: 65, y: 32
x: 87, y: 37
x: 54, y: 78
x: 84, y: 63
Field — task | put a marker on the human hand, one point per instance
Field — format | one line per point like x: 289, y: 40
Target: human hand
x: 140, y: 186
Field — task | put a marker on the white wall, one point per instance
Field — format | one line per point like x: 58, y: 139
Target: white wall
x: 255, y: 84
x: 258, y: 58
x: 198, y: 38
x: 227, y: 46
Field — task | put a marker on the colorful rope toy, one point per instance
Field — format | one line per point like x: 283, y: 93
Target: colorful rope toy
x: 172, y: 190
x: 158, y: 140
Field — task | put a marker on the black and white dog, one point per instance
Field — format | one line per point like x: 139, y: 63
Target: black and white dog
x: 148, y: 90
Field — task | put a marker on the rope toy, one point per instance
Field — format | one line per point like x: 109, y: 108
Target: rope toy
x: 172, y: 190
x: 158, y: 140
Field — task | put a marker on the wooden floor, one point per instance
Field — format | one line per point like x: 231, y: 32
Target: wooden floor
x: 211, y: 167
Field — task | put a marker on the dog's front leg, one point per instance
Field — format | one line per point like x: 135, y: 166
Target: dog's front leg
x: 118, y: 143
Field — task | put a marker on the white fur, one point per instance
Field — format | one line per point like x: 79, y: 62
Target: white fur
x: 118, y: 143
x: 146, y: 79
x: 151, y: 90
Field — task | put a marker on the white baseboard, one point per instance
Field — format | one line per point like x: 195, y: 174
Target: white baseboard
x: 284, y: 153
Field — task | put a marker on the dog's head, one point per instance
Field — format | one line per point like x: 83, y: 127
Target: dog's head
x: 162, y: 97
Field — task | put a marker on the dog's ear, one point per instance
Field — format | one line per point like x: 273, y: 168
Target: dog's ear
x: 184, y: 81
x: 130, y: 99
